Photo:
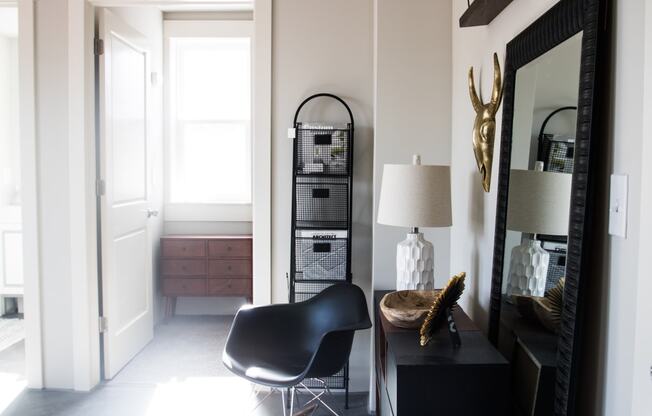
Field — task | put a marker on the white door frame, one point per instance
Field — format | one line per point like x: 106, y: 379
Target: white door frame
x: 81, y: 153
x: 29, y: 192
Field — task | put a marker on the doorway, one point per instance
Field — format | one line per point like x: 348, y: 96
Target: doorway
x: 174, y: 158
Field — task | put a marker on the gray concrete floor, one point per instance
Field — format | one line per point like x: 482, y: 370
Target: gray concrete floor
x: 178, y: 373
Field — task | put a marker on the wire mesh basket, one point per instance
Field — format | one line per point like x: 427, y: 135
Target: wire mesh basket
x: 321, y: 255
x: 322, y: 204
x: 323, y: 149
x: 321, y: 213
x: 556, y: 266
x: 304, y: 291
x: 559, y: 153
x: 336, y: 381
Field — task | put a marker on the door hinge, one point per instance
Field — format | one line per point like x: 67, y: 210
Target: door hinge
x: 99, y: 46
x: 103, y: 324
x: 100, y: 187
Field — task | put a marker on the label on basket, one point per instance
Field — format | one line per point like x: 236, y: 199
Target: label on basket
x: 292, y: 133
x: 321, y: 234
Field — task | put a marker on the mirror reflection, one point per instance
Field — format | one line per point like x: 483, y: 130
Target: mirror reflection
x: 543, y: 144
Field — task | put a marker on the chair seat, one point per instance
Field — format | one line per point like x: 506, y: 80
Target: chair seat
x: 282, y: 370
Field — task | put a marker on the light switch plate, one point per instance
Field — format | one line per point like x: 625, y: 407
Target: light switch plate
x: 618, y: 206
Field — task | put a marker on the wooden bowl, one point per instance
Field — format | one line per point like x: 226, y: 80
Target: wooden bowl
x: 537, y: 309
x: 407, y: 308
x: 525, y: 306
x: 545, y: 314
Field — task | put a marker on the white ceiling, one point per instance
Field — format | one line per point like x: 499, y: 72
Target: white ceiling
x: 8, y: 21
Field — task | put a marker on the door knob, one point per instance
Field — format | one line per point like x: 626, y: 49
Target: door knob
x: 151, y: 212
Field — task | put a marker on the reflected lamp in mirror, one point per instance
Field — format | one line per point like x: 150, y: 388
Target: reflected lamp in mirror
x: 415, y: 196
x: 538, y: 203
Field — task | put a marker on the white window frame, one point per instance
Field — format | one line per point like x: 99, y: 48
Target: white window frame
x: 223, y: 212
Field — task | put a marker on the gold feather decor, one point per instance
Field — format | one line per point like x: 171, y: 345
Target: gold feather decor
x: 555, y: 297
x: 548, y: 309
x: 447, y: 299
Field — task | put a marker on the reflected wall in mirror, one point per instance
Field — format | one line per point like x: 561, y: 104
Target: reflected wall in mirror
x: 544, y: 197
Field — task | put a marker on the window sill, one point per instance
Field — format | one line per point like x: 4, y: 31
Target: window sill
x: 208, y: 212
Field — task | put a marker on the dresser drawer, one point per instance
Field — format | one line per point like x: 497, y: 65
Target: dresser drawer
x: 183, y: 248
x: 184, y: 267
x: 229, y: 248
x: 184, y: 287
x: 223, y: 268
x: 229, y: 287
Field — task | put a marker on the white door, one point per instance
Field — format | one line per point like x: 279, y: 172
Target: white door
x: 126, y: 252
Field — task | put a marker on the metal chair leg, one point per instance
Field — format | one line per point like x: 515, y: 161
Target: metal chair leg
x: 283, y: 401
x: 317, y: 397
x: 292, y: 392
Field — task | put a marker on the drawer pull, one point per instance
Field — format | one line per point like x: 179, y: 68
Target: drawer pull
x: 229, y: 268
x: 228, y: 248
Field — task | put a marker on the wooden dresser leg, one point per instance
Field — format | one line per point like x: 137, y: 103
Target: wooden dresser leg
x: 170, y: 306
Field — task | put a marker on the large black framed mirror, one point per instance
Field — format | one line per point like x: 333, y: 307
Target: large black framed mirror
x: 544, y: 205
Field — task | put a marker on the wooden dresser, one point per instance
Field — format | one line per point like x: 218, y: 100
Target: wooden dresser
x: 217, y: 265
x: 438, y: 379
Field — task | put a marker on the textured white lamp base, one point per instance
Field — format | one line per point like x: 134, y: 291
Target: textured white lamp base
x: 528, y: 269
x: 415, y: 263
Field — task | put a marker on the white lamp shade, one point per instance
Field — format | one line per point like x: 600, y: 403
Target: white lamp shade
x: 539, y: 202
x: 415, y: 196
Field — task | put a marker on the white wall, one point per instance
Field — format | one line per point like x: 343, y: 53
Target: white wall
x: 323, y: 46
x: 642, y: 382
x: 619, y: 283
x: 412, y: 113
x: 52, y: 139
x: 608, y: 357
x: 472, y: 234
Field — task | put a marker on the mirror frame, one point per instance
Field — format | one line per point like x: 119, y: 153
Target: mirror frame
x: 564, y: 20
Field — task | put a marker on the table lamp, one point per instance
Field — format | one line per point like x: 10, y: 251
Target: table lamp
x: 538, y: 203
x: 415, y: 196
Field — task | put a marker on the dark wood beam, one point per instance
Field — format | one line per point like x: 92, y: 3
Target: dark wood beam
x: 482, y: 12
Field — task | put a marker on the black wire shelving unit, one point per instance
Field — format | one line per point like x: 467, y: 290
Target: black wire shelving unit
x: 322, y: 194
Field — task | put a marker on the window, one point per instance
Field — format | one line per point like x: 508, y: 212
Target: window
x: 209, y: 115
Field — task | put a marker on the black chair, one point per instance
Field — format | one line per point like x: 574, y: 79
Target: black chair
x: 281, y: 345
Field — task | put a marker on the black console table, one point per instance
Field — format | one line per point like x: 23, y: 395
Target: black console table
x: 437, y: 379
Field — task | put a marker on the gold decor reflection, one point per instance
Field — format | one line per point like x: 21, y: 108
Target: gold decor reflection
x: 484, y: 126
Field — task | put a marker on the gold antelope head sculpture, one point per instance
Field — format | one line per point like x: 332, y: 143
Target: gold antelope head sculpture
x: 484, y: 126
